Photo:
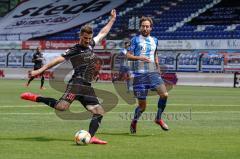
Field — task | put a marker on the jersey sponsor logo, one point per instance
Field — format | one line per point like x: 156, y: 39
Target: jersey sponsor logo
x: 92, y: 57
x: 66, y: 52
x: 71, y: 96
x: 143, y: 47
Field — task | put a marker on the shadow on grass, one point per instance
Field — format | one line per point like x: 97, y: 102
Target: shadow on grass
x: 125, y: 134
x: 40, y: 139
x: 37, y: 139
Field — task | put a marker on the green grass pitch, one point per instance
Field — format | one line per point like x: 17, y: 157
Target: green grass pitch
x: 204, y: 123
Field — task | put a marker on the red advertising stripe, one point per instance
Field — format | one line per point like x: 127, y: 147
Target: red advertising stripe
x: 2, y: 74
x: 52, y: 44
x: 32, y: 44
x: 59, y: 45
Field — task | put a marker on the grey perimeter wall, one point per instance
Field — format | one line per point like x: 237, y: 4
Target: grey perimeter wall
x: 191, y: 79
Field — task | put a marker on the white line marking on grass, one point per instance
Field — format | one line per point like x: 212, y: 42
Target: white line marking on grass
x: 210, y: 112
x: 172, y: 104
x: 201, y: 105
x: 51, y: 113
x: 21, y: 106
x: 27, y: 113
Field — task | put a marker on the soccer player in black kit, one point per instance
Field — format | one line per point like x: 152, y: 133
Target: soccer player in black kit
x: 38, y: 63
x: 79, y: 87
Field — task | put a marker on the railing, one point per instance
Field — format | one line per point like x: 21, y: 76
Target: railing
x: 16, y: 37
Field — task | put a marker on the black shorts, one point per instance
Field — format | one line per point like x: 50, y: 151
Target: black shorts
x: 36, y: 67
x: 82, y: 91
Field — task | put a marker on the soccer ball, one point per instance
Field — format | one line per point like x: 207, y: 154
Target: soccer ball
x: 82, y: 137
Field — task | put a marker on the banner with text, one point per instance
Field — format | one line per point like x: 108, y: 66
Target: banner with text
x: 52, y: 44
x: 199, y: 44
x: 34, y: 18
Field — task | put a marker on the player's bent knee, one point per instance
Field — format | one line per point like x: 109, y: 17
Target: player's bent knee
x: 62, y: 107
x: 143, y: 108
x: 164, y: 95
x: 142, y: 104
x: 101, y: 111
x: 96, y: 109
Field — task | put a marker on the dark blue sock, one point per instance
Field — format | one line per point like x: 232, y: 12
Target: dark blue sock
x: 161, y: 107
x: 137, y: 114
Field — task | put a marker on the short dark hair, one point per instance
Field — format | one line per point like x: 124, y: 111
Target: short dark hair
x: 143, y: 18
x: 86, y: 29
x: 38, y: 49
x: 126, y: 43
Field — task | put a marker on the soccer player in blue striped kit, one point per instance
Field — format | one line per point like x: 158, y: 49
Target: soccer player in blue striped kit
x: 146, y: 71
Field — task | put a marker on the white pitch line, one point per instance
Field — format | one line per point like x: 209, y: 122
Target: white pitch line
x: 202, y: 105
x: 179, y: 112
x: 211, y: 112
x: 22, y: 106
x: 27, y: 113
x: 172, y: 104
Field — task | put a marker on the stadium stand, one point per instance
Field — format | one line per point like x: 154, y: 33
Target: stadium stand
x: 182, y: 20
x: 203, y: 19
x: 173, y: 19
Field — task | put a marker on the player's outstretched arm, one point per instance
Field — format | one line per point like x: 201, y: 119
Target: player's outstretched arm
x: 51, y: 64
x: 130, y: 56
x: 157, y: 62
x: 104, y: 31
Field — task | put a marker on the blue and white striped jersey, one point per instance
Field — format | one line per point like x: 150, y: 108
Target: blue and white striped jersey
x: 144, y: 46
x: 122, y: 54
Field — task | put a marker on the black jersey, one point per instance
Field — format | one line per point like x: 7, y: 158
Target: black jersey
x: 37, y: 59
x: 83, y: 61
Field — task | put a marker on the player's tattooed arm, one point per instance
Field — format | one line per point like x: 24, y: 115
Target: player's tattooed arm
x: 51, y: 64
